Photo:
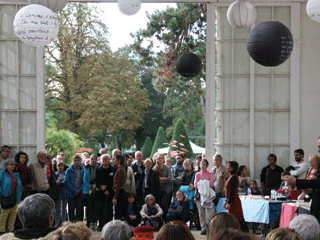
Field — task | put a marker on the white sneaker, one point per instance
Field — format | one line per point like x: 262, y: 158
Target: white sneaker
x: 95, y: 226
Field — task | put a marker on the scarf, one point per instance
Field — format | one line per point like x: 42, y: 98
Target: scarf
x: 23, y: 172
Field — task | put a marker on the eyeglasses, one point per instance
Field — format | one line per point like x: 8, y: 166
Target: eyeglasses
x: 12, y: 164
x: 77, y: 160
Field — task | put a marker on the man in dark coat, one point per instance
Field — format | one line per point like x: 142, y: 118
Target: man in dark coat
x: 138, y: 167
x: 104, y: 181
x: 271, y: 175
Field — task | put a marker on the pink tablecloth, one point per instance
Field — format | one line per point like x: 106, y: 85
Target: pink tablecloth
x: 288, y: 212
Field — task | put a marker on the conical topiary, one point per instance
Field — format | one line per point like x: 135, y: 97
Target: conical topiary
x: 147, y: 148
x: 160, y: 141
x: 180, y: 141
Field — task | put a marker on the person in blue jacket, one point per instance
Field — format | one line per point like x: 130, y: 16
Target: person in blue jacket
x: 73, y: 183
x: 10, y: 183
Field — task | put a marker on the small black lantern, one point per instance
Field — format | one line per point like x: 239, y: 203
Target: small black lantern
x: 188, y: 65
x: 270, y: 43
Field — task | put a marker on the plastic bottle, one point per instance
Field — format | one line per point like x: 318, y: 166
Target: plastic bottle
x: 273, y: 194
x: 249, y: 191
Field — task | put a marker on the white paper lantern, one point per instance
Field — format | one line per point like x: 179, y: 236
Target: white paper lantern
x: 241, y: 14
x: 36, y: 25
x: 313, y: 10
x: 54, y: 5
x: 129, y: 7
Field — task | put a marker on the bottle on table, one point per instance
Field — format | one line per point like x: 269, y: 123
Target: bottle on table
x: 273, y: 194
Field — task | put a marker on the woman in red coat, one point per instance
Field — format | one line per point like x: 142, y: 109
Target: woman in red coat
x: 233, y: 203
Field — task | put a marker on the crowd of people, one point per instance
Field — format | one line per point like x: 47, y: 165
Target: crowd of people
x: 99, y: 189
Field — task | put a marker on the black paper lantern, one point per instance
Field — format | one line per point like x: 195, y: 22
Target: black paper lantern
x: 188, y: 65
x: 270, y: 43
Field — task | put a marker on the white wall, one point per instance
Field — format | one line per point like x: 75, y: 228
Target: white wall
x: 309, y: 83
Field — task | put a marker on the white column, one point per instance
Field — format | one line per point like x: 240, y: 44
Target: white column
x: 295, y: 81
x: 210, y: 82
x: 41, y: 134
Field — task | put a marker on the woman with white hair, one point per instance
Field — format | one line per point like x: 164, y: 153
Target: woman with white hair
x: 10, y: 192
x: 151, y: 212
x: 307, y: 226
x: 116, y: 230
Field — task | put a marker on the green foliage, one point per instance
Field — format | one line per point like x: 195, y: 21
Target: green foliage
x: 160, y: 141
x: 180, y: 30
x: 146, y: 149
x: 180, y: 141
x: 54, y: 116
x: 62, y: 141
x: 154, y: 118
x: 97, y: 91
x: 198, y: 129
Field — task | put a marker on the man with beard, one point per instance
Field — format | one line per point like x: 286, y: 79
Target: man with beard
x: 177, y: 171
x: 300, y: 168
x: 315, y: 184
x: 271, y: 175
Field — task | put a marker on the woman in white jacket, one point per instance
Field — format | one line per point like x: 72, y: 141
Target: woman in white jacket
x: 151, y: 212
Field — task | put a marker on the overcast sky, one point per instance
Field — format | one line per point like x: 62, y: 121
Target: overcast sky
x: 121, y: 25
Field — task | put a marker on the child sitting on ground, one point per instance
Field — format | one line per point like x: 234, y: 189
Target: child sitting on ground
x: 253, y: 187
x: 133, y: 216
x: 151, y: 212
x: 283, y: 174
x: 289, y: 192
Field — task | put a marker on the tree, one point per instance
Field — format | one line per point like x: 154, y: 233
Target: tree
x: 97, y: 90
x: 181, y: 30
x: 147, y: 148
x: 180, y: 141
x: 123, y: 107
x: 154, y: 117
x: 160, y: 141
x: 62, y: 141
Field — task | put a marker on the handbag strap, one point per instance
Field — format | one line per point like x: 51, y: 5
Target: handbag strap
x: 15, y: 182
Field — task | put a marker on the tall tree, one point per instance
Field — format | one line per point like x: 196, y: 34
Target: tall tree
x: 147, y: 148
x: 154, y: 117
x: 180, y: 141
x: 160, y: 141
x: 181, y: 30
x: 98, y: 90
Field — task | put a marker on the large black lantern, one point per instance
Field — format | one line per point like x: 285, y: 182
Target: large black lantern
x: 188, y: 65
x: 270, y: 43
